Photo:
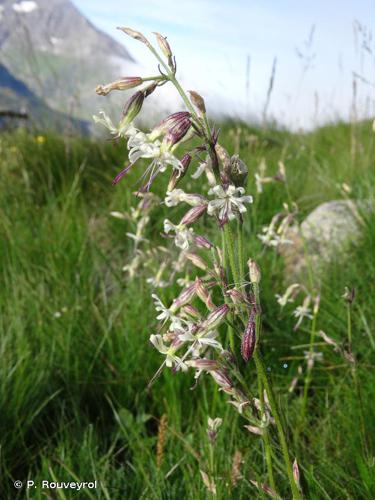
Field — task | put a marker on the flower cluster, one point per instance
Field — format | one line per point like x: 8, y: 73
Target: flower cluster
x: 199, y: 328
x: 276, y: 233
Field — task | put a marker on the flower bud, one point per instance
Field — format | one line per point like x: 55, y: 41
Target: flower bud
x: 254, y: 271
x: 249, y: 339
x: 196, y: 260
x: 198, y: 101
x: 178, y: 174
x: 135, y: 34
x: 149, y: 89
x: 123, y: 84
x: 238, y: 171
x: 184, y: 298
x: 203, y: 293
x: 164, y: 45
x: 349, y: 295
x: 168, y: 123
x: 254, y: 429
x: 191, y: 311
x: 328, y: 340
x: 222, y: 380
x: 236, y: 296
x: 203, y: 242
x: 193, y: 215
x: 215, y: 317
x: 176, y: 133
x: 296, y: 472
x: 223, y: 156
x: 132, y: 108
x: 203, y: 364
x: 213, y: 425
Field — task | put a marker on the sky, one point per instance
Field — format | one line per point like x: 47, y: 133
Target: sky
x: 226, y: 49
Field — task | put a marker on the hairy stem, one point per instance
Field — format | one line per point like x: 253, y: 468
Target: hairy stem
x: 266, y: 437
x: 232, y: 260
x: 275, y: 412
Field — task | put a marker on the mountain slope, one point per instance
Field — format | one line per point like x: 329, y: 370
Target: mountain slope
x: 59, y: 54
x: 15, y: 96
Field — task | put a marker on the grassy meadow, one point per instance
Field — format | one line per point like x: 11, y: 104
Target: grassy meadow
x: 74, y: 329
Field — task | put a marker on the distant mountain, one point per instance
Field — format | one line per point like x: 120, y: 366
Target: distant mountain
x: 15, y: 96
x: 59, y: 54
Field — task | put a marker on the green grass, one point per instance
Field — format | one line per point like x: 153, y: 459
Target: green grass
x: 75, y: 356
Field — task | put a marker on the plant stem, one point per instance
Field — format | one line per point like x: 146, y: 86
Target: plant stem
x: 263, y: 375
x: 266, y: 437
x: 232, y: 260
x: 275, y: 412
x: 240, y: 249
x: 356, y: 382
x: 308, y: 374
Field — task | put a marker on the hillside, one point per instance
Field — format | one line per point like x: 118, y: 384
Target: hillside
x: 15, y: 96
x: 58, y: 53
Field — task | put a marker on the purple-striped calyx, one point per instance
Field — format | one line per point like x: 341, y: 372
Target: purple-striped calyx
x: 249, y: 338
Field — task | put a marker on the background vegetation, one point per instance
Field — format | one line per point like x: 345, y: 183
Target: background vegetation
x: 75, y: 356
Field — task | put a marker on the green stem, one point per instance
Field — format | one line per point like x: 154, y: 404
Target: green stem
x: 232, y: 260
x: 357, y: 385
x: 264, y: 380
x: 266, y: 437
x: 240, y: 249
x: 275, y: 412
x: 349, y: 323
x: 308, y: 374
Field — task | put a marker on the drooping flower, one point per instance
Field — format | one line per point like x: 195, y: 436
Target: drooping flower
x: 212, y: 428
x: 122, y: 130
x: 171, y: 360
x: 289, y: 295
x: 125, y: 83
x: 177, y: 196
x: 183, y: 235
x: 228, y: 203
x: 166, y: 313
x: 303, y: 311
x: 200, y: 340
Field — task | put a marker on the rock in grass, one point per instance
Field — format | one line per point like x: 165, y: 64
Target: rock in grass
x: 328, y: 232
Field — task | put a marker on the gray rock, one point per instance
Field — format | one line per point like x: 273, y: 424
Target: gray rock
x: 328, y: 232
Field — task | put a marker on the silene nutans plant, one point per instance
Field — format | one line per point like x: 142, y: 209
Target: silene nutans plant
x: 213, y: 326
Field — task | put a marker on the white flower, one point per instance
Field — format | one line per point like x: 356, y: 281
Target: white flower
x: 141, y: 146
x: 165, y: 313
x: 177, y: 196
x: 183, y: 235
x: 201, y: 168
x: 205, y: 167
x: 119, y: 215
x: 214, y: 423
x: 120, y: 131
x: 288, y: 296
x: 303, y: 311
x: 270, y: 238
x: 200, y: 340
x: 169, y: 352
x: 228, y: 203
x: 239, y: 405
